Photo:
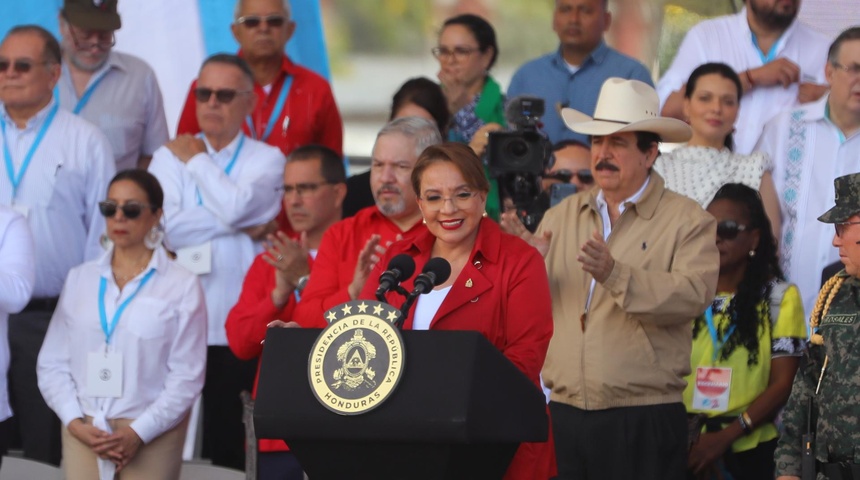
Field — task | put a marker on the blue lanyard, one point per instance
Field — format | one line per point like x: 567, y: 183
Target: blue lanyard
x: 10, y: 168
x: 108, y: 329
x: 276, y: 113
x: 85, y: 98
x: 228, y: 168
x: 715, y: 337
x: 771, y: 55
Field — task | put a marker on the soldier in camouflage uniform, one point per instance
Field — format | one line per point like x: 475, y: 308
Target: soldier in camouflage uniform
x: 831, y: 373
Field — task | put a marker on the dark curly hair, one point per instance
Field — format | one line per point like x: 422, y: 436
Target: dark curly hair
x: 753, y: 292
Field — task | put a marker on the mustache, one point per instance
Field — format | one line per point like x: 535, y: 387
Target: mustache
x: 389, y: 188
x: 604, y: 165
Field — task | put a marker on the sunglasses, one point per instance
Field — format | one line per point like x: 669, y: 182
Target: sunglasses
x: 564, y: 176
x: 130, y: 210
x: 254, y: 21
x: 729, y: 229
x: 19, y: 66
x: 224, y: 95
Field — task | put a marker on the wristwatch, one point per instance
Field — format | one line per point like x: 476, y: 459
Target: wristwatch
x: 302, y: 282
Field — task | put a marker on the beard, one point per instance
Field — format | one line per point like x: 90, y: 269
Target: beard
x: 772, y: 18
x: 391, y: 208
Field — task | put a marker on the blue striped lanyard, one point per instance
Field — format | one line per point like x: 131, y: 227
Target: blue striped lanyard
x: 771, y: 55
x: 108, y: 329
x: 15, y: 180
x: 228, y: 168
x: 85, y: 98
x: 276, y: 113
x: 715, y: 337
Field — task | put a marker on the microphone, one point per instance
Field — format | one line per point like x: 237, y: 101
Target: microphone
x: 400, y: 268
x: 435, y: 272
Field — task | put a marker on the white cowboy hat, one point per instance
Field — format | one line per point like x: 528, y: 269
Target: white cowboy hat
x: 626, y: 106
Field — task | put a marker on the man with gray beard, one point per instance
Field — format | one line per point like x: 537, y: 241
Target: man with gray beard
x: 350, y: 248
x: 114, y: 91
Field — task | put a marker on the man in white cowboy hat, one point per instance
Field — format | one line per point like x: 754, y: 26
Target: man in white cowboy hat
x: 630, y: 265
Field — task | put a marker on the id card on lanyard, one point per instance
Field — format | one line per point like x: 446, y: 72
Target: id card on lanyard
x: 713, y: 384
x: 104, y: 369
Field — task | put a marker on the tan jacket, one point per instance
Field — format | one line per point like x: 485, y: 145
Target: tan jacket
x: 635, y: 346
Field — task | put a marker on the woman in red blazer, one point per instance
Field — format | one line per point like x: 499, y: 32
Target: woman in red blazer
x: 498, y: 284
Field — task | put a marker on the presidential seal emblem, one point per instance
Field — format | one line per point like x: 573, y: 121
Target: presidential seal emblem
x: 357, y: 361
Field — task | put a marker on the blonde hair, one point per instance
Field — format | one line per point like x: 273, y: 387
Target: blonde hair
x: 822, y: 306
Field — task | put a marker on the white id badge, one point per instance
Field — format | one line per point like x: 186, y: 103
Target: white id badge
x: 712, y: 389
x: 197, y: 259
x: 104, y: 375
x: 24, y: 210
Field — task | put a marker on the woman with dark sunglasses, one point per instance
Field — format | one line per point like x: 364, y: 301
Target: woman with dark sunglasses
x: 746, y: 345
x: 124, y: 357
x: 712, y: 98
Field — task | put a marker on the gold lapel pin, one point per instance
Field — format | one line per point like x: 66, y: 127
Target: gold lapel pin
x: 469, y: 283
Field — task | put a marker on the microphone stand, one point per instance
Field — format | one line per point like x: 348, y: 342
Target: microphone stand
x: 404, y: 309
x: 397, y: 288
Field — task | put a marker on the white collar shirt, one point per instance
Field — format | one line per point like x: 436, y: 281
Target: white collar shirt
x: 728, y: 39
x: 126, y: 104
x: 17, y: 275
x: 808, y: 152
x: 60, y: 190
x: 161, y: 337
x: 247, y: 197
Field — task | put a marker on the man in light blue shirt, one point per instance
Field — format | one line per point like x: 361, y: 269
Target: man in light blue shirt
x: 572, y: 75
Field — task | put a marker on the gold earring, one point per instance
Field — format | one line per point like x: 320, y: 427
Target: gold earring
x: 484, y: 214
x: 424, y: 221
x: 752, y: 253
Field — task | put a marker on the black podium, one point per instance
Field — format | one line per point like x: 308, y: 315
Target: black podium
x: 460, y: 411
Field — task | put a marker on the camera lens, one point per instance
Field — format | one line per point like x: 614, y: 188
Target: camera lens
x: 517, y: 148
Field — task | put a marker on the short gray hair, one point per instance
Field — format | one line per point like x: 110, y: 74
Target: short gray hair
x: 422, y: 131
x: 238, y: 11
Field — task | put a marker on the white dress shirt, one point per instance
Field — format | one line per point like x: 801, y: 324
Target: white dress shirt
x: 808, y: 152
x: 248, y: 196
x: 728, y: 39
x: 161, y: 337
x: 60, y: 190
x: 126, y: 105
x: 17, y: 276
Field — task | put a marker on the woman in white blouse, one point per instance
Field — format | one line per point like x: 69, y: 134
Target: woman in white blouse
x: 125, y: 354
x: 698, y: 169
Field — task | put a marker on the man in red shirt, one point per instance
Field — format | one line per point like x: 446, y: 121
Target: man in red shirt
x: 295, y: 106
x: 351, y: 247
x: 314, y: 189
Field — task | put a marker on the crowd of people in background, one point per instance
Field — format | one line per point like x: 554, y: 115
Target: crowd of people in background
x: 662, y: 306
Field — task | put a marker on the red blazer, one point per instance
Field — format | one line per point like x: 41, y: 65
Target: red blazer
x: 247, y: 320
x: 334, y: 267
x: 310, y: 106
x: 508, y: 302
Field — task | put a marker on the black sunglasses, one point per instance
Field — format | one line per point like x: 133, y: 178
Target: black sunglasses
x: 729, y: 229
x: 224, y: 95
x: 564, y: 175
x: 254, y: 21
x: 20, y: 66
x: 130, y: 210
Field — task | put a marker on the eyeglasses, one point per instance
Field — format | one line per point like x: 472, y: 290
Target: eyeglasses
x: 459, y: 53
x: 224, y: 95
x: 461, y: 200
x: 130, y: 210
x: 840, y: 227
x: 852, y: 70
x: 564, y: 176
x: 302, y: 188
x: 254, y: 21
x: 104, y: 39
x: 729, y: 229
x: 19, y: 66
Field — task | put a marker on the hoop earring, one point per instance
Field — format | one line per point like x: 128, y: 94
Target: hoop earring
x: 154, y: 237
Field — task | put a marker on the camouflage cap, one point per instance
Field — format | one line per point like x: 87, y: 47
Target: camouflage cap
x: 847, y: 199
x: 92, y: 14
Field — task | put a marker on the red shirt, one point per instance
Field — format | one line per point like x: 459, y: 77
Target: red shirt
x: 310, y: 106
x: 247, y: 323
x: 337, y: 256
x: 503, y: 293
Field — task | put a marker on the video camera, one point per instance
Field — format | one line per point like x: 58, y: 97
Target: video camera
x: 518, y: 158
